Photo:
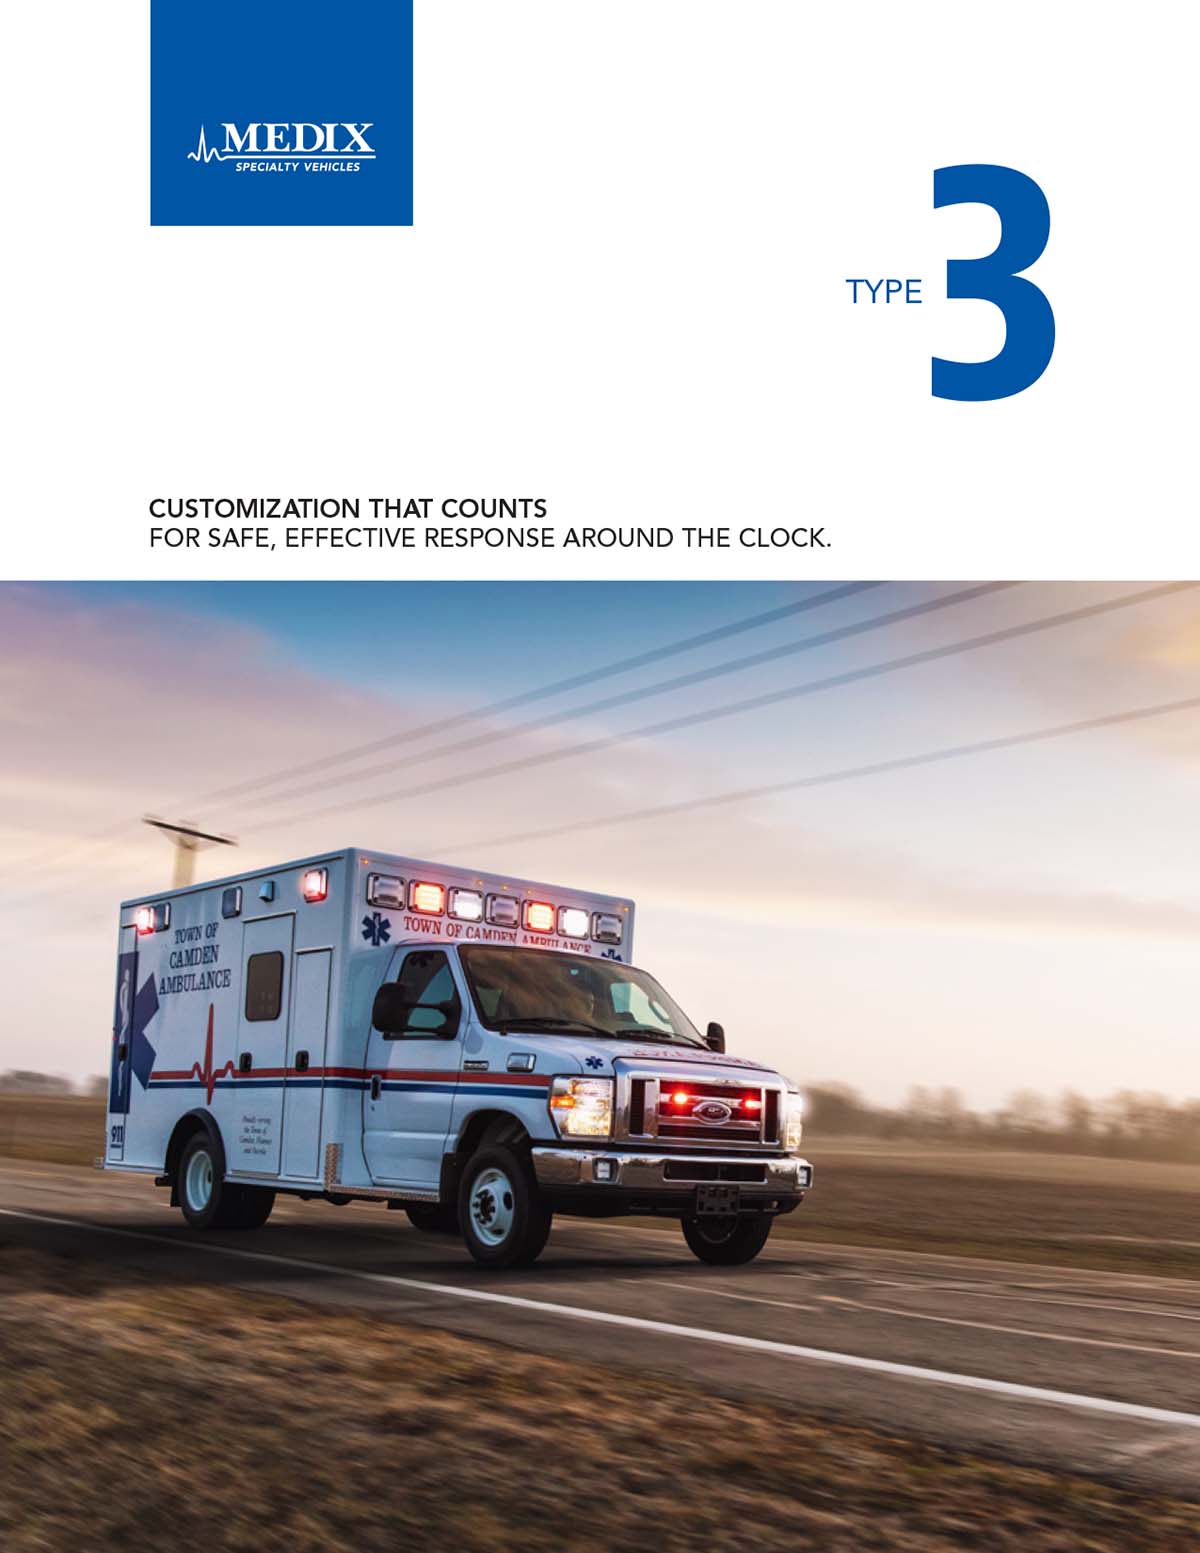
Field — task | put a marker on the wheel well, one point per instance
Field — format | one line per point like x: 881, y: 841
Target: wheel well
x: 481, y: 1130
x: 186, y: 1129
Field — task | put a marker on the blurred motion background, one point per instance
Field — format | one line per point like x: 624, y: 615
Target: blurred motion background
x: 929, y: 847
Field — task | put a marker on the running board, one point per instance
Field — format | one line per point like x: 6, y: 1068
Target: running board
x: 335, y: 1186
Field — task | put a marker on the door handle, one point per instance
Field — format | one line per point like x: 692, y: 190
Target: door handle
x: 376, y: 1086
x: 301, y: 1062
x: 122, y: 1051
x: 245, y: 1062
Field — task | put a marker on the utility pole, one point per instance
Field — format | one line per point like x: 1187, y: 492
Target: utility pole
x: 187, y: 841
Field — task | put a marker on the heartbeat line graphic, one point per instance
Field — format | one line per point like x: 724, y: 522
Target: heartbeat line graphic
x: 203, y: 154
x: 206, y: 1074
x: 206, y: 153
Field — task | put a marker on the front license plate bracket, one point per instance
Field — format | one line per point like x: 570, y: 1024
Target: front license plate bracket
x: 716, y: 1199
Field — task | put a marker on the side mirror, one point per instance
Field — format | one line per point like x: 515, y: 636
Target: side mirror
x: 392, y: 1014
x: 714, y: 1037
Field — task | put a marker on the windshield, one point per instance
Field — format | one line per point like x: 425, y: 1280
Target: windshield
x: 532, y: 990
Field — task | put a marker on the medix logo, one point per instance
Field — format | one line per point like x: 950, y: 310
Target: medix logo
x: 328, y: 142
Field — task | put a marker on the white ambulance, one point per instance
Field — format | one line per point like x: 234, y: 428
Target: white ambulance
x: 475, y: 1049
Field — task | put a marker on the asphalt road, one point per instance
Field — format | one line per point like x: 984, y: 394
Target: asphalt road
x: 619, y: 1294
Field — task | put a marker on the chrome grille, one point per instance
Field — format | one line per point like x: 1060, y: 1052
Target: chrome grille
x: 698, y: 1109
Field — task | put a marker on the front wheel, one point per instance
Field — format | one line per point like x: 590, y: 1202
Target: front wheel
x: 727, y: 1241
x: 504, y: 1221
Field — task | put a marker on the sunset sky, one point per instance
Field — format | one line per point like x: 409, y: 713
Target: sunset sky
x: 1028, y: 916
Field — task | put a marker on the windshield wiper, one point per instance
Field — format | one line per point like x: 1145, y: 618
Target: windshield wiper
x: 657, y: 1035
x: 550, y: 1022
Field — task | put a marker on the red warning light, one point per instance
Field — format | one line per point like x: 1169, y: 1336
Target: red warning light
x: 430, y: 899
x: 680, y: 1097
x: 316, y: 885
x: 144, y: 919
x: 539, y: 918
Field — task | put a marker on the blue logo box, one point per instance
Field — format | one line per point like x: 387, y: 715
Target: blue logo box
x: 281, y: 113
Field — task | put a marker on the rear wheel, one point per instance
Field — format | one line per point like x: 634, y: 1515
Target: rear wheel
x: 208, y: 1201
x: 254, y: 1207
x: 434, y: 1218
x: 726, y: 1241
x: 504, y: 1221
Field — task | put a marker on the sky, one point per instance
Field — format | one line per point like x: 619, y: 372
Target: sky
x: 1023, y: 917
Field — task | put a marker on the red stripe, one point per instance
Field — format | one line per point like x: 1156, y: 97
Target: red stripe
x: 416, y: 1075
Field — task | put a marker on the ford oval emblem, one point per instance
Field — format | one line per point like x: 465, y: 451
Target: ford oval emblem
x: 715, y: 1111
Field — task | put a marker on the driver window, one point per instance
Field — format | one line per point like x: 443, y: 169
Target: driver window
x: 425, y: 978
x: 633, y: 1005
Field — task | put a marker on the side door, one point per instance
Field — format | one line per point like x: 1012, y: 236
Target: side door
x: 308, y: 1034
x: 412, y: 1074
x: 253, y: 1133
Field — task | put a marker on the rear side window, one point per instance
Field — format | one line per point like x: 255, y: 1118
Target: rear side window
x: 264, y: 986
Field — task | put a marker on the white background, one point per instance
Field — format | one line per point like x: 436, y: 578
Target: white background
x: 624, y: 292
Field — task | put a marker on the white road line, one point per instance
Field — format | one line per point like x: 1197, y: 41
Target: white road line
x: 990, y: 1326
x: 1004, y: 1388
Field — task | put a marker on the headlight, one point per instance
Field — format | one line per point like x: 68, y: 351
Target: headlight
x: 795, y: 1123
x: 582, y: 1107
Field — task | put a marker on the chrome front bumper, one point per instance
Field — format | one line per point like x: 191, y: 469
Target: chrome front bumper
x: 669, y: 1173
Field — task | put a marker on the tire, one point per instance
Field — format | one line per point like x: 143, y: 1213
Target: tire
x: 434, y: 1218
x: 727, y: 1242
x: 207, y: 1200
x: 254, y: 1206
x: 504, y: 1221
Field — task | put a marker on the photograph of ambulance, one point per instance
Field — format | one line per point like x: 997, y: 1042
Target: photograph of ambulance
x: 751, y: 1068
x: 475, y: 1049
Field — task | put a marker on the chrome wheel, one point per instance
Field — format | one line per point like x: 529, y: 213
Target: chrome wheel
x: 492, y: 1206
x: 198, y: 1181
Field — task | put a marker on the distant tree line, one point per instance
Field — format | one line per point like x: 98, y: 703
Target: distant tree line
x: 24, y: 1081
x: 1126, y: 1125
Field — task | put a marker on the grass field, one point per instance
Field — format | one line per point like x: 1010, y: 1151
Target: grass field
x: 136, y: 1416
x: 1122, y: 1215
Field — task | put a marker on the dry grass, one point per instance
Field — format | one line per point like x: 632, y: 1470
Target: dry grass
x: 142, y: 1418
x: 1035, y: 1208
x: 66, y: 1129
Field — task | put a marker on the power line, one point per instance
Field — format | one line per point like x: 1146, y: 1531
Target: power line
x: 744, y: 704
x: 523, y: 698
x: 642, y: 693
x: 845, y: 774
x: 106, y: 839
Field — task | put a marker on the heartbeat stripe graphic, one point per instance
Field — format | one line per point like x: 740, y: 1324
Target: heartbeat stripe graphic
x: 206, y: 153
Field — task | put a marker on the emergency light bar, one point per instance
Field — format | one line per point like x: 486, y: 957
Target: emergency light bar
x: 428, y: 898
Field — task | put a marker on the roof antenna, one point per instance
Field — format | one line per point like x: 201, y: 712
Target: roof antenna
x: 187, y: 841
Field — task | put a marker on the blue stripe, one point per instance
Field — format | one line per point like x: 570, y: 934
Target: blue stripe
x: 399, y: 1085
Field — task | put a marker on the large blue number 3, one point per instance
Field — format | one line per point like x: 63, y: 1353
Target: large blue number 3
x: 1028, y: 317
